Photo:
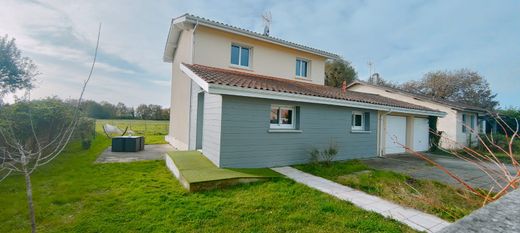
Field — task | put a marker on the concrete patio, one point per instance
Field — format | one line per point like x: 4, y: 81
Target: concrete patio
x: 150, y: 152
x: 420, y: 169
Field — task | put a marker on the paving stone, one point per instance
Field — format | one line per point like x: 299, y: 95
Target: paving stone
x: 425, y: 220
x: 381, y: 206
x: 413, y: 218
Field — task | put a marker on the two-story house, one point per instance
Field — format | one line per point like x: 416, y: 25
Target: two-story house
x: 251, y: 100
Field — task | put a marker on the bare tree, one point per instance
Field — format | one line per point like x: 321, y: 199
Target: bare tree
x: 25, y: 155
x: 486, y: 160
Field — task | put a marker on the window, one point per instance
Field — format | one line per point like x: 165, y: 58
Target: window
x: 240, y: 55
x: 282, y: 117
x: 302, y: 67
x: 464, y: 123
x: 472, y: 122
x: 358, y: 121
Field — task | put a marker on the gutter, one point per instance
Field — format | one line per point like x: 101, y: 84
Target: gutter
x: 238, y: 91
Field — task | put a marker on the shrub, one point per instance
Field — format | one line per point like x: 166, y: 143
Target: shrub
x: 85, y: 131
x: 325, y: 156
x: 500, y: 140
x: 315, y: 155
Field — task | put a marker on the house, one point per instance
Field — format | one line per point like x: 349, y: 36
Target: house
x: 459, y: 127
x: 251, y: 100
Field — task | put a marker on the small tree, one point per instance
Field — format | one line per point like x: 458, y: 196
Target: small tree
x: 337, y: 71
x: 27, y: 144
x: 16, y: 72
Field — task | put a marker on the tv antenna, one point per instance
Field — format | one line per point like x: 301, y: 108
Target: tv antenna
x: 371, y: 68
x: 267, y: 19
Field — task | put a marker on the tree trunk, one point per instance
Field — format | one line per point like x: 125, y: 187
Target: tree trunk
x: 28, y: 188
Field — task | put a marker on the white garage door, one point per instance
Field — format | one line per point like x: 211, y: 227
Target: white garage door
x: 395, y: 132
x: 420, y: 134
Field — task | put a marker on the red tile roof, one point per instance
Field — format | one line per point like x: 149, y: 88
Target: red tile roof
x: 219, y: 76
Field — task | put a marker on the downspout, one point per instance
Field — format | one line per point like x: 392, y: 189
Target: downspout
x: 381, y: 135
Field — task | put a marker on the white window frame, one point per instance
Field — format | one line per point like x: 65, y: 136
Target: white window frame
x: 307, y: 74
x: 240, y: 46
x: 353, y: 122
x: 279, y: 125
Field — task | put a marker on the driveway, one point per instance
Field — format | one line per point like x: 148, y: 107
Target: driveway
x: 150, y: 152
x: 420, y: 169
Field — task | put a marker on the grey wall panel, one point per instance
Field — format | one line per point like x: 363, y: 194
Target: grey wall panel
x: 247, y: 142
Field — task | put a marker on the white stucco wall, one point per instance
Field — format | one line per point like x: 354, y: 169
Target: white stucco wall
x: 213, y: 48
x: 450, y: 125
x: 178, y: 134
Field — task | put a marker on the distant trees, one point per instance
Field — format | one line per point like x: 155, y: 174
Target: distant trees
x: 376, y: 79
x: 106, y: 110
x: 152, y: 112
x: 337, y: 71
x: 464, y: 85
x: 16, y: 72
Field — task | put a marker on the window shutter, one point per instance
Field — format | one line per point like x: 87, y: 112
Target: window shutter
x: 367, y: 121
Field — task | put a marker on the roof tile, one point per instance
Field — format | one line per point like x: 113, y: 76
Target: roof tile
x: 213, y: 75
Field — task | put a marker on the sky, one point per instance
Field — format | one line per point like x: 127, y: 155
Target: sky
x: 403, y: 39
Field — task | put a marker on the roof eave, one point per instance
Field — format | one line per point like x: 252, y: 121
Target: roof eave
x: 246, y: 92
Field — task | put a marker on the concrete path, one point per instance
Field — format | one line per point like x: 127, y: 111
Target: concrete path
x: 420, y: 169
x: 413, y: 218
x: 150, y: 152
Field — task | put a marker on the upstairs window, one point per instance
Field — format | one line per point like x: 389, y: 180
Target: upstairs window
x: 302, y: 67
x: 282, y: 117
x: 360, y: 121
x: 240, y: 55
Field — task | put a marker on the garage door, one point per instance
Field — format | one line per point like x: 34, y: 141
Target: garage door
x: 420, y: 134
x: 395, y: 132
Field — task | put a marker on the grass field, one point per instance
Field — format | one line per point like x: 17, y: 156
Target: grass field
x: 426, y: 195
x: 74, y: 194
x: 154, y: 131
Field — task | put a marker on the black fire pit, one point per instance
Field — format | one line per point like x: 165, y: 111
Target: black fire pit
x: 127, y: 144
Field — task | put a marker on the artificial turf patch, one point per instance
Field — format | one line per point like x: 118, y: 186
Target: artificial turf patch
x: 195, y: 168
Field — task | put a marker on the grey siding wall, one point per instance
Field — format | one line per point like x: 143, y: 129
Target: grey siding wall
x: 211, y: 127
x: 247, y: 142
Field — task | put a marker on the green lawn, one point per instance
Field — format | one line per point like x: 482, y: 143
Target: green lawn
x: 73, y: 194
x: 154, y: 131
x: 429, y: 196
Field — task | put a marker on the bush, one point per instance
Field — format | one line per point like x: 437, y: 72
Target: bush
x: 48, y: 118
x: 85, y: 131
x: 325, y: 156
x: 501, y: 141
